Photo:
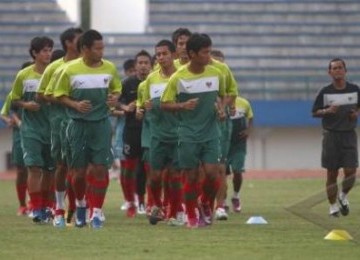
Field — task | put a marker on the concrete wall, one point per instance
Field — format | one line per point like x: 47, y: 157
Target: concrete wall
x: 268, y: 148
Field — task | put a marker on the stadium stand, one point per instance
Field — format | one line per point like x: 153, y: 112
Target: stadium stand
x: 277, y: 49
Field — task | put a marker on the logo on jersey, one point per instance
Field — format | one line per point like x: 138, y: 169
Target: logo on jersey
x: 209, y: 84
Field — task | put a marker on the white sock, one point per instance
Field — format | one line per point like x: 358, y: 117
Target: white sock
x: 60, y: 199
x: 236, y: 195
x: 97, y: 212
x: 80, y: 203
x: 342, y: 195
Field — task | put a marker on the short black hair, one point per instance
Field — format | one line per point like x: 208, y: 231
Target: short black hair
x: 198, y: 41
x: 179, y: 32
x: 337, y: 59
x: 39, y: 43
x: 167, y: 43
x: 89, y: 37
x: 57, y: 54
x: 128, y: 64
x: 142, y: 53
x: 69, y: 35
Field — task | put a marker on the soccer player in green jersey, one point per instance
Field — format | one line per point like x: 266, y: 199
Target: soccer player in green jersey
x: 35, y: 127
x: 242, y: 123
x: 12, y: 119
x: 88, y: 87
x: 58, y: 118
x: 164, y: 138
x: 194, y: 91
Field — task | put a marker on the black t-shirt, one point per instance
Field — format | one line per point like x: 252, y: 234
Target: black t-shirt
x: 347, y: 99
x: 129, y: 94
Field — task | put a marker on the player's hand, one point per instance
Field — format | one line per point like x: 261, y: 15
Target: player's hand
x: 148, y: 105
x: 130, y: 108
x: 118, y: 113
x: 32, y: 106
x: 353, y: 114
x: 83, y: 106
x: 190, y: 104
x: 10, y: 122
x: 244, y: 134
x: 332, y: 109
x: 220, y: 111
x: 111, y: 100
x: 139, y: 113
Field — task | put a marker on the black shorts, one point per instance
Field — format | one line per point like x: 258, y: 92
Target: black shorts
x: 132, y: 142
x: 339, y: 150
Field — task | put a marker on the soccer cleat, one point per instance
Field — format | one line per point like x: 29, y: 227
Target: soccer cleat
x: 141, y: 209
x: 22, y: 211
x: 131, y: 211
x: 37, y: 215
x: 192, y: 223
x: 334, y: 211
x: 205, y: 213
x: 220, y: 214
x: 344, y: 206
x: 156, y: 215
x: 59, y: 221
x: 236, y: 204
x: 181, y: 217
x: 80, y: 217
x: 96, y: 223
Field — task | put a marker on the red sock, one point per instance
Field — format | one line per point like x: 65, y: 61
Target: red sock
x: 129, y: 179
x: 36, y: 200
x: 190, y: 196
x: 79, y: 187
x: 166, y: 188
x: 21, y: 193
x: 155, y: 191
x: 98, y: 188
x: 210, y: 187
x: 175, y: 191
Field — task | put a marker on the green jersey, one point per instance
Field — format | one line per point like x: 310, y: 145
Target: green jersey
x: 81, y: 82
x: 145, y: 129
x: 35, y: 124
x: 239, y: 120
x: 230, y: 82
x: 5, y: 110
x: 199, y: 124
x: 48, y: 73
x: 163, y: 124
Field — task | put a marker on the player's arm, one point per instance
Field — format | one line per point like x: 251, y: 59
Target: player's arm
x: 17, y: 95
x: 168, y: 99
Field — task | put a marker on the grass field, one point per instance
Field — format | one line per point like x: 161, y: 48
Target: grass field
x: 286, y: 236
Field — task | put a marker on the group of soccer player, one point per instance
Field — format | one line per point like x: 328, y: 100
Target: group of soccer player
x: 185, y: 129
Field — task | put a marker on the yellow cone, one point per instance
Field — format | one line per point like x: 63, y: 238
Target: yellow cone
x: 338, y: 234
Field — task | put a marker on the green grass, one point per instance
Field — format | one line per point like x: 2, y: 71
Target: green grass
x: 285, y: 237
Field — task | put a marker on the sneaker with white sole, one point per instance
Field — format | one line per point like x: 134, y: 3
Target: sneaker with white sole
x: 344, y: 205
x: 125, y: 206
x: 334, y: 211
x: 220, y: 214
x: 59, y: 221
x: 236, y: 204
x: 141, y: 209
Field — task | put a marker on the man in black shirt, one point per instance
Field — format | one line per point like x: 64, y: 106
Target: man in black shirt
x: 337, y: 104
x: 131, y: 171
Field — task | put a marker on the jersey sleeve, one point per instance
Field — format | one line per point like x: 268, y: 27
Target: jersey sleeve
x: 5, y: 110
x: 115, y: 83
x: 53, y: 81
x: 231, y: 84
x: 222, y: 86
x: 62, y: 86
x: 45, y: 79
x: 170, y: 92
x: 140, y: 94
x: 249, y: 111
x: 319, y: 101
x: 17, y: 87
